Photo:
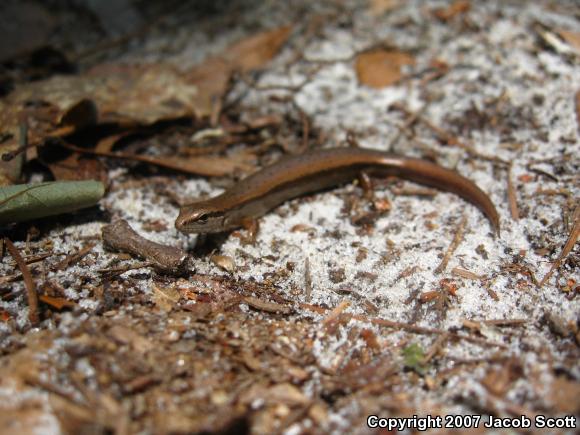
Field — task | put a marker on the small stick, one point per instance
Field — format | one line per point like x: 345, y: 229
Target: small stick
x: 181, y: 166
x: 74, y: 258
x: 503, y: 322
x: 572, y: 239
x: 512, y: 198
x: 435, y: 348
x: 409, y: 122
x: 467, y: 274
x: 116, y: 271
x: 33, y: 314
x: 307, y: 280
x: 457, y: 238
x: 168, y: 259
x: 448, y: 139
x: 337, y: 311
x: 269, y: 307
x: 406, y: 326
x: 305, y: 130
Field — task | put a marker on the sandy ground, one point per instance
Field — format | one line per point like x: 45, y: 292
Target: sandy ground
x: 508, y: 96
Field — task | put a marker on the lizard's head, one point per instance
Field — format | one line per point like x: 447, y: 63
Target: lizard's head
x: 200, y: 217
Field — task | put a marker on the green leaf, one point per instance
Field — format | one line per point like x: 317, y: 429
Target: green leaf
x: 23, y: 202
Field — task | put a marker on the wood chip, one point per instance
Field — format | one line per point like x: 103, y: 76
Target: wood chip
x: 269, y: 307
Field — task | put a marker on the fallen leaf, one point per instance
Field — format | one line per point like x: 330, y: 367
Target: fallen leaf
x: 564, y: 395
x: 212, y: 76
x: 380, y: 68
x: 454, y: 9
x: 283, y: 393
x: 57, y: 303
x: 253, y: 52
x: 125, y: 335
x: 526, y: 178
x: 165, y: 297
x: 23, y: 202
x: 83, y: 113
x: 224, y: 262
x: 77, y: 168
x: 128, y: 95
x: 498, y: 381
x: 210, y: 166
x: 572, y: 38
x: 269, y: 307
x: 379, y: 7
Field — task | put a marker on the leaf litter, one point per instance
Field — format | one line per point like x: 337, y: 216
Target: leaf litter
x: 303, y: 330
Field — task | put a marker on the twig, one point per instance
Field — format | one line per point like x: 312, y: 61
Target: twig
x: 33, y: 314
x: 269, y: 307
x: 74, y: 258
x: 449, y: 139
x: 307, y: 280
x: 337, y: 311
x: 168, y: 259
x: 572, y: 238
x: 467, y: 274
x: 116, y: 271
x: 512, y: 198
x: 457, y: 238
x: 406, y: 326
x: 439, y: 342
x: 411, y: 120
x: 503, y: 322
x: 182, y: 165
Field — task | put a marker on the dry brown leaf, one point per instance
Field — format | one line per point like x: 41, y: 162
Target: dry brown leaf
x: 77, y: 168
x: 253, y: 52
x: 22, y: 125
x: 572, y: 38
x: 379, y: 7
x: 144, y: 93
x: 212, y: 76
x: 57, y: 303
x: 165, y: 297
x: 224, y: 262
x: 242, y: 161
x: 454, y: 9
x: 83, y: 113
x: 209, y: 166
x: 499, y: 380
x: 29, y: 412
x: 127, y: 95
x: 133, y: 93
x: 564, y: 395
x: 269, y: 307
x: 125, y: 335
x: 380, y: 68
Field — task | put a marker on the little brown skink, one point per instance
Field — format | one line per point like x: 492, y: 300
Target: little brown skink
x: 316, y: 170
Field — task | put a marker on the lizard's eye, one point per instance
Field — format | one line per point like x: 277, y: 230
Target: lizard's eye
x: 202, y: 219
